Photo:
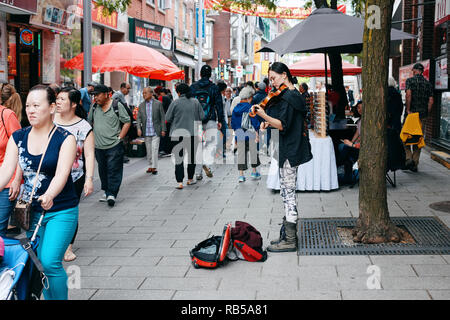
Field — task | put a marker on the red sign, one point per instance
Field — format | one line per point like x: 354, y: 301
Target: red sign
x: 27, y: 5
x: 406, y: 72
x: 98, y: 16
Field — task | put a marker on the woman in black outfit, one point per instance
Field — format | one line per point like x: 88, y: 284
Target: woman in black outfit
x: 294, y: 147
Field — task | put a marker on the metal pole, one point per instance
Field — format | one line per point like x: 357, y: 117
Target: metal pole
x: 87, y: 41
x: 239, y: 43
x: 200, y: 37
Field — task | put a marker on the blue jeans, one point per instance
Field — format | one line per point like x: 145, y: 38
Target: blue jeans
x: 110, y: 168
x: 55, y: 234
x: 6, y: 208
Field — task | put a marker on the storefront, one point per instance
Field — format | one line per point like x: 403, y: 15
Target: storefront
x: 154, y: 36
x: 441, y: 21
x: 184, y: 58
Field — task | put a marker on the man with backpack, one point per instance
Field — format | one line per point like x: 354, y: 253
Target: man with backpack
x: 106, y: 116
x: 210, y: 99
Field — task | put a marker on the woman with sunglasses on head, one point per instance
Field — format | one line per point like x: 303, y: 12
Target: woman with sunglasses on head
x: 287, y: 114
x: 70, y: 116
x: 54, y: 191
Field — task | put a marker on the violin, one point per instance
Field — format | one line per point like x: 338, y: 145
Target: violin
x: 266, y: 101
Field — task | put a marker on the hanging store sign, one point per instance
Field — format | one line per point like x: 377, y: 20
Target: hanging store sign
x: 184, y: 47
x: 441, y: 75
x: 19, y: 6
x: 151, y: 35
x: 58, y: 15
x: 98, y: 17
x: 441, y: 12
x: 26, y: 37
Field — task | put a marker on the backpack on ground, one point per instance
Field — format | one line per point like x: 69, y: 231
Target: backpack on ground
x: 203, y: 96
x: 243, y: 242
x: 247, y: 243
x: 212, y: 252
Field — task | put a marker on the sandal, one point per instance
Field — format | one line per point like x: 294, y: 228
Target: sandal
x: 69, y: 255
x: 179, y: 186
x: 191, y: 182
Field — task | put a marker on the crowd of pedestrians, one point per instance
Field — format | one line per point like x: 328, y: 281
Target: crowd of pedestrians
x: 51, y: 162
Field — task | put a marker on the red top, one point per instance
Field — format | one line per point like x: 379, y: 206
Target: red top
x: 7, y: 127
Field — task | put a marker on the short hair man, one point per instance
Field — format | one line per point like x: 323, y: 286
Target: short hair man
x: 419, y: 98
x: 105, y: 117
x: 214, y: 116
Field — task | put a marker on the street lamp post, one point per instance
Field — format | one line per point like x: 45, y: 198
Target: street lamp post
x: 87, y: 41
x: 200, y: 37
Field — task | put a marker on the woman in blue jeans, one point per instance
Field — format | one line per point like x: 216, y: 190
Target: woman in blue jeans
x: 54, y: 192
x: 8, y: 124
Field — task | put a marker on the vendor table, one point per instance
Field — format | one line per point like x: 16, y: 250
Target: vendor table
x: 318, y: 174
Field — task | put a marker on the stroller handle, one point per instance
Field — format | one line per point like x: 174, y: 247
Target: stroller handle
x: 38, y: 225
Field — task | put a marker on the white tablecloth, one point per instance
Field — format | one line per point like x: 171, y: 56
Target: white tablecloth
x: 318, y: 174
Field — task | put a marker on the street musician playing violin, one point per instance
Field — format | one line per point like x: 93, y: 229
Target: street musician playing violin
x: 286, y: 111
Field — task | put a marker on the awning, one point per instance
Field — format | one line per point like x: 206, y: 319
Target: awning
x: 184, y: 60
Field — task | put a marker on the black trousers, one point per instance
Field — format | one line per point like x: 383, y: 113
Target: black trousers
x: 79, y: 186
x: 189, y: 145
x: 243, y: 155
x: 110, y: 168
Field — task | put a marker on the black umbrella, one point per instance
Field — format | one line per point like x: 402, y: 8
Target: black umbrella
x: 325, y: 30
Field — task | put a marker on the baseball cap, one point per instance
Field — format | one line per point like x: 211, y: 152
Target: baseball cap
x: 100, y: 88
x: 418, y: 66
x: 92, y: 84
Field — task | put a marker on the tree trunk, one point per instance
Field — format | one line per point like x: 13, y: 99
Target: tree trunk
x: 374, y: 224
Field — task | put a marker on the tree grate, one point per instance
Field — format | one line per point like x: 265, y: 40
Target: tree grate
x: 320, y: 236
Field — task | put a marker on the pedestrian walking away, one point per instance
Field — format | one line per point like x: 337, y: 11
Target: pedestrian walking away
x: 70, y: 116
x: 185, y: 115
x: 210, y: 99
x: 419, y: 98
x: 8, y: 125
x: 246, y: 135
x: 55, y: 192
x: 105, y: 117
x: 294, y: 148
x: 151, y: 124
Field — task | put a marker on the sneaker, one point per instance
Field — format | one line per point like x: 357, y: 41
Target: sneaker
x: 102, y: 198
x: 198, y: 177
x: 241, y: 179
x: 111, y: 201
x: 256, y: 176
x: 207, y: 171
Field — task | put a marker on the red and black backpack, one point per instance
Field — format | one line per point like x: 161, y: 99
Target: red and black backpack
x: 241, y: 242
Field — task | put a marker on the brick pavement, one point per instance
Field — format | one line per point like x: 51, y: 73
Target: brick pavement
x: 140, y: 248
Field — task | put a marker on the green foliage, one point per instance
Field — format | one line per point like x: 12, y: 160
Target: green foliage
x: 109, y: 6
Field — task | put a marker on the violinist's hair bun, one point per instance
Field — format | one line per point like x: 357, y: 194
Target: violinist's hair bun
x: 294, y: 80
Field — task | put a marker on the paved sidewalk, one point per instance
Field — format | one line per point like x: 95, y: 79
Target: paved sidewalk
x: 140, y: 248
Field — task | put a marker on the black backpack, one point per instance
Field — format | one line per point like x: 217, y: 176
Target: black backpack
x: 203, y: 96
x: 132, y: 132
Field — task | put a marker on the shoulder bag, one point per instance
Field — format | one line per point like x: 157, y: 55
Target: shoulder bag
x: 22, y: 210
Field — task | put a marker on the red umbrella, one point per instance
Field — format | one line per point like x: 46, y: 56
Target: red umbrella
x: 314, y: 66
x: 129, y: 57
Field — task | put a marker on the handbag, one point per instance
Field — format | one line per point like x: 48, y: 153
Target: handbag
x: 22, y: 210
x: 246, y: 122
